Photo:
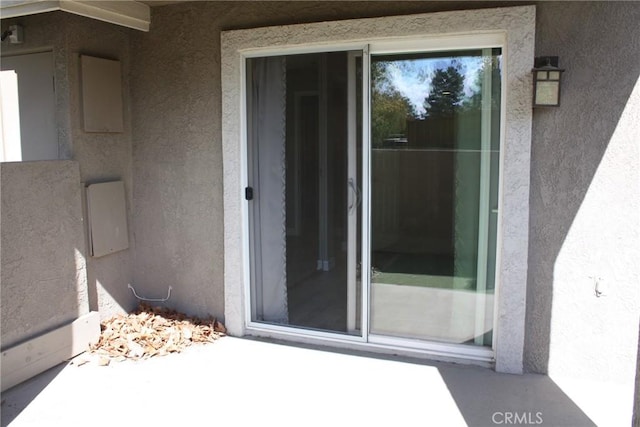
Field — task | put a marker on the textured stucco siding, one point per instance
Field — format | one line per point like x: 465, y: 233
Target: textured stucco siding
x: 585, y: 209
x: 177, y: 162
x: 177, y: 142
x: 636, y: 405
x: 43, y: 272
x: 47, y: 32
x: 585, y: 198
x: 100, y: 156
x: 103, y: 156
x: 584, y: 181
x: 178, y: 174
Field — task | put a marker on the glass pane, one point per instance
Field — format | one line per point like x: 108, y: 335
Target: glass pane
x: 304, y: 189
x: 554, y: 75
x: 542, y: 75
x: 435, y: 156
x: 547, y: 93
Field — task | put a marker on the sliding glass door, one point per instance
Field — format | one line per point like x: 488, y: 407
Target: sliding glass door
x: 373, y: 191
x: 305, y: 144
x: 435, y: 122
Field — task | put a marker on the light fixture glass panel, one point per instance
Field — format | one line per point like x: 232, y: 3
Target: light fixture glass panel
x: 554, y: 75
x: 547, y: 93
x: 542, y: 75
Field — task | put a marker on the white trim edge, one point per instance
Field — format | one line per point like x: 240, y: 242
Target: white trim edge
x: 130, y: 13
x: 26, y: 360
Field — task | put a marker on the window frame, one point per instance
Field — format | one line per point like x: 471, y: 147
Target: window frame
x: 516, y: 28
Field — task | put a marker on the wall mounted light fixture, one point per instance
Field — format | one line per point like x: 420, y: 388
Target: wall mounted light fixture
x: 14, y: 33
x: 546, y: 81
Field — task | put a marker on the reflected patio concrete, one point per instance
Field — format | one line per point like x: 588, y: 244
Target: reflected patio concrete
x: 242, y: 382
x: 451, y: 315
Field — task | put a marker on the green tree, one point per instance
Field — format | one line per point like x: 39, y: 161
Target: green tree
x: 447, y: 92
x: 390, y: 109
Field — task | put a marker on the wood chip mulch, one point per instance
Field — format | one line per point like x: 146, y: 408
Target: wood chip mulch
x: 152, y: 331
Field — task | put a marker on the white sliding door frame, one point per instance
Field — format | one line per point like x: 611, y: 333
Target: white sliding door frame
x: 324, y: 260
x: 365, y: 270
x: 513, y: 30
x: 352, y: 194
x: 483, y: 211
x: 486, y: 42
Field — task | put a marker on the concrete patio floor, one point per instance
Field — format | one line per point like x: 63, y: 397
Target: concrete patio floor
x: 242, y: 382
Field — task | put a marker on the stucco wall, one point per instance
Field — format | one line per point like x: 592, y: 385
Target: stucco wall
x: 46, y: 32
x: 584, y: 191
x: 585, y: 209
x: 101, y: 157
x: 177, y: 163
x: 585, y: 198
x: 636, y: 404
x: 177, y: 154
x: 178, y: 175
x: 43, y: 272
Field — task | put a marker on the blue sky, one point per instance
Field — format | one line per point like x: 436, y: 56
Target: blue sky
x: 412, y: 78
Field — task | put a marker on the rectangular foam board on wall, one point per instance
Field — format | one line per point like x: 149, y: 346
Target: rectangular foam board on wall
x: 101, y: 95
x: 107, y: 214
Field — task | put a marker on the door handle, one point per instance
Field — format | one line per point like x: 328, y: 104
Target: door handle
x: 356, y: 196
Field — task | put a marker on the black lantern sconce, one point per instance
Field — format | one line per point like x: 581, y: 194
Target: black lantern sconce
x: 546, y: 81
